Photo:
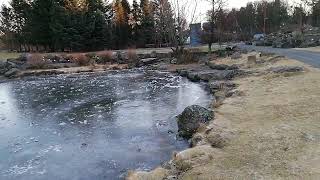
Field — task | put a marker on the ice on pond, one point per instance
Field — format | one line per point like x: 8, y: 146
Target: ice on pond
x: 62, y: 124
x: 124, y: 118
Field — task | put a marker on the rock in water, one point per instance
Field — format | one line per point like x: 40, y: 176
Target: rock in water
x: 191, y: 119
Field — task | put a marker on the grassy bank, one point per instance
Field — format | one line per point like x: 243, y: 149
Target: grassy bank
x: 272, y: 128
x: 8, y: 55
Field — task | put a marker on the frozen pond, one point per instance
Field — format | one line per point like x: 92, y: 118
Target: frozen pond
x: 91, y: 126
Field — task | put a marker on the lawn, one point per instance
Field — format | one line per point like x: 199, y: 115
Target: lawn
x: 8, y: 55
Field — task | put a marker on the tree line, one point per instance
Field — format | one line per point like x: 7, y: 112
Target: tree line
x: 258, y: 17
x: 84, y: 25
x: 87, y: 25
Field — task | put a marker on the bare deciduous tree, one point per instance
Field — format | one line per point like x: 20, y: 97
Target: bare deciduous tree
x: 215, y: 24
x: 184, y: 10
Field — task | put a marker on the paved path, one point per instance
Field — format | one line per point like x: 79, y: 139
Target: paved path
x: 308, y: 57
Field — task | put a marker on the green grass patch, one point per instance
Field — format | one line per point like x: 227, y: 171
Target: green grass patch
x: 8, y: 55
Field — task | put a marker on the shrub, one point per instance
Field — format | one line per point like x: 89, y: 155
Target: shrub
x: 36, y: 61
x: 105, y: 57
x: 184, y: 57
x: 91, y: 55
x: 81, y: 59
x: 94, y: 58
x: 153, y: 54
x: 133, y: 58
x: 132, y: 55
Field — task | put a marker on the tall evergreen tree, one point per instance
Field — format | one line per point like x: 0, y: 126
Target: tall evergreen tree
x: 6, y: 26
x: 136, y: 18
x: 316, y: 13
x: 122, y: 31
x: 20, y: 13
x: 164, y: 21
x: 147, y: 22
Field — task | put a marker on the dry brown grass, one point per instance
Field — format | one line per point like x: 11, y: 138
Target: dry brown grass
x: 36, y: 61
x: 132, y: 55
x: 275, y: 129
x: 81, y: 59
x: 105, y: 56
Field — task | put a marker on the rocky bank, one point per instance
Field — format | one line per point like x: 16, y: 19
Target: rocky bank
x: 257, y: 127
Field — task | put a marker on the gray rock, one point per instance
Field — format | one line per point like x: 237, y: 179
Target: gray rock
x: 2, y: 64
x: 23, y: 57
x: 174, y: 61
x: 3, y: 67
x: 283, y: 69
x: 207, y: 75
x: 193, y: 76
x: 153, y: 54
x: 144, y: 56
x: 216, y: 86
x: 236, y: 55
x: 11, y: 64
x: 12, y: 72
x: 221, y: 66
x: 182, y: 72
x: 197, y: 140
x: 148, y: 61
x: 217, y: 75
x: 191, y: 119
x: 121, y: 58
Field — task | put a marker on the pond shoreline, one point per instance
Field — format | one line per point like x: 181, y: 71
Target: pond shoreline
x: 48, y: 85
x: 250, y: 128
x: 194, y: 72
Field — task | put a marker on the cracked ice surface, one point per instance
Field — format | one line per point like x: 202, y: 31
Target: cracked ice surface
x: 91, y: 126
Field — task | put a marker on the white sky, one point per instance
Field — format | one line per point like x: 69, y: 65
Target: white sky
x: 203, y: 6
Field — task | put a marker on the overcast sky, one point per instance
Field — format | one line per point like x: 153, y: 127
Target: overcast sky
x: 203, y: 6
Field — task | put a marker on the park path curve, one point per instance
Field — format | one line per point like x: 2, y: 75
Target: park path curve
x: 308, y: 57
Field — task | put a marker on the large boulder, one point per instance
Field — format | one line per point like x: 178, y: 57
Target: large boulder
x: 207, y: 75
x: 191, y: 119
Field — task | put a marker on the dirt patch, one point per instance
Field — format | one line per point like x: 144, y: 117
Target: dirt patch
x: 272, y: 129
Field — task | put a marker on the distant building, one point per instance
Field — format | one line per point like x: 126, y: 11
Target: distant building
x: 195, y: 34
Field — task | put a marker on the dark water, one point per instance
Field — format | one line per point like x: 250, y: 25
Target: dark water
x: 91, y: 126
